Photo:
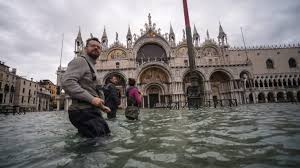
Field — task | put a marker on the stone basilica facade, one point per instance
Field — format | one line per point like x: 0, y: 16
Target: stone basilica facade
x: 159, y: 63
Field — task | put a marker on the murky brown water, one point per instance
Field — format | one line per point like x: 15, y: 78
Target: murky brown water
x: 263, y: 135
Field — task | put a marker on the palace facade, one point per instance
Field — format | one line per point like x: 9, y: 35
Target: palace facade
x: 159, y: 63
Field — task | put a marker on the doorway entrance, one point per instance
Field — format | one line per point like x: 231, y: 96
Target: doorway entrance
x: 153, y: 99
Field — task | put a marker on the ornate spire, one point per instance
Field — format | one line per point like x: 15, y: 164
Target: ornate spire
x: 195, y: 30
x: 104, y: 39
x: 79, y: 38
x: 104, y: 35
x: 129, y: 36
x: 171, y: 29
x: 196, y: 37
x: 222, y: 37
x: 78, y: 44
x: 220, y: 28
x: 91, y: 35
x: 172, y: 36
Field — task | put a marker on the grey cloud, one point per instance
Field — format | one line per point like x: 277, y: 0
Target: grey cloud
x: 31, y: 30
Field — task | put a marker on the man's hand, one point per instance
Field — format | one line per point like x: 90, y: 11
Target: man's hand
x: 96, y: 101
x: 105, y: 109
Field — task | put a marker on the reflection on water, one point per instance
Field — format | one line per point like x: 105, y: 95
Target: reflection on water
x: 263, y: 135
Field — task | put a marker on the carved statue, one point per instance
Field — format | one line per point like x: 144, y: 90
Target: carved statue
x: 149, y: 19
x: 117, y: 36
x: 158, y: 31
x: 146, y: 27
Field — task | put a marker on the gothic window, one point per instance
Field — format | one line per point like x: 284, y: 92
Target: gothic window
x: 292, y: 63
x: 270, y: 83
x: 269, y: 64
x: 117, y: 65
x: 256, y: 84
x: 294, y: 82
x: 266, y: 83
x: 289, y: 83
x: 279, y: 83
x: 275, y: 83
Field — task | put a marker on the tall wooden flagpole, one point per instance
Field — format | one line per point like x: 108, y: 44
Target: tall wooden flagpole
x: 194, y: 99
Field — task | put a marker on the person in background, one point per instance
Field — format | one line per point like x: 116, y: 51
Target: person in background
x: 112, y: 99
x: 134, y: 100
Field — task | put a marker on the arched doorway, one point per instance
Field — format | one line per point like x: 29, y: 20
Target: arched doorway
x: 154, y: 80
x: 251, y: 98
x: 220, y: 85
x: 154, y: 93
x: 271, y: 97
x: 280, y: 97
x: 187, y: 83
x: 261, y: 98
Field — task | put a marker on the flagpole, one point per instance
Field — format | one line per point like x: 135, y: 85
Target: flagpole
x: 61, y: 50
x: 244, y: 43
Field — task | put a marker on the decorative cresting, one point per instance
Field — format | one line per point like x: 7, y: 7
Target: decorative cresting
x: 152, y: 39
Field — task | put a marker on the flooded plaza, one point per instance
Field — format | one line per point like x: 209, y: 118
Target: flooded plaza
x: 250, y: 136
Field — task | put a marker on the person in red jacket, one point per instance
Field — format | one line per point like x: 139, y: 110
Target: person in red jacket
x: 134, y: 100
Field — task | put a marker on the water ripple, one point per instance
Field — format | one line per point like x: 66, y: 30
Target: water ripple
x: 261, y: 135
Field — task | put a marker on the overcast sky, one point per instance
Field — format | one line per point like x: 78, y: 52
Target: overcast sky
x: 31, y: 30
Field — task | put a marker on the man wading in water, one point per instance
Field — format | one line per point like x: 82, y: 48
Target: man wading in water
x: 80, y: 82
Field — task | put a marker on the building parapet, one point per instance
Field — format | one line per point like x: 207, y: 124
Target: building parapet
x: 264, y: 47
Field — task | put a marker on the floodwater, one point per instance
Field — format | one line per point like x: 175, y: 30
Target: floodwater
x: 250, y: 136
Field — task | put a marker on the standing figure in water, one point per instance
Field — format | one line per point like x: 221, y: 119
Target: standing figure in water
x: 134, y: 100
x: 112, y: 99
x: 80, y: 82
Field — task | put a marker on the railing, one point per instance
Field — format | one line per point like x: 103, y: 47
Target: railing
x: 7, y: 109
x: 198, y: 104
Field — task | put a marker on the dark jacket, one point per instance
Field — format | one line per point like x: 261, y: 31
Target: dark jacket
x: 112, y: 99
